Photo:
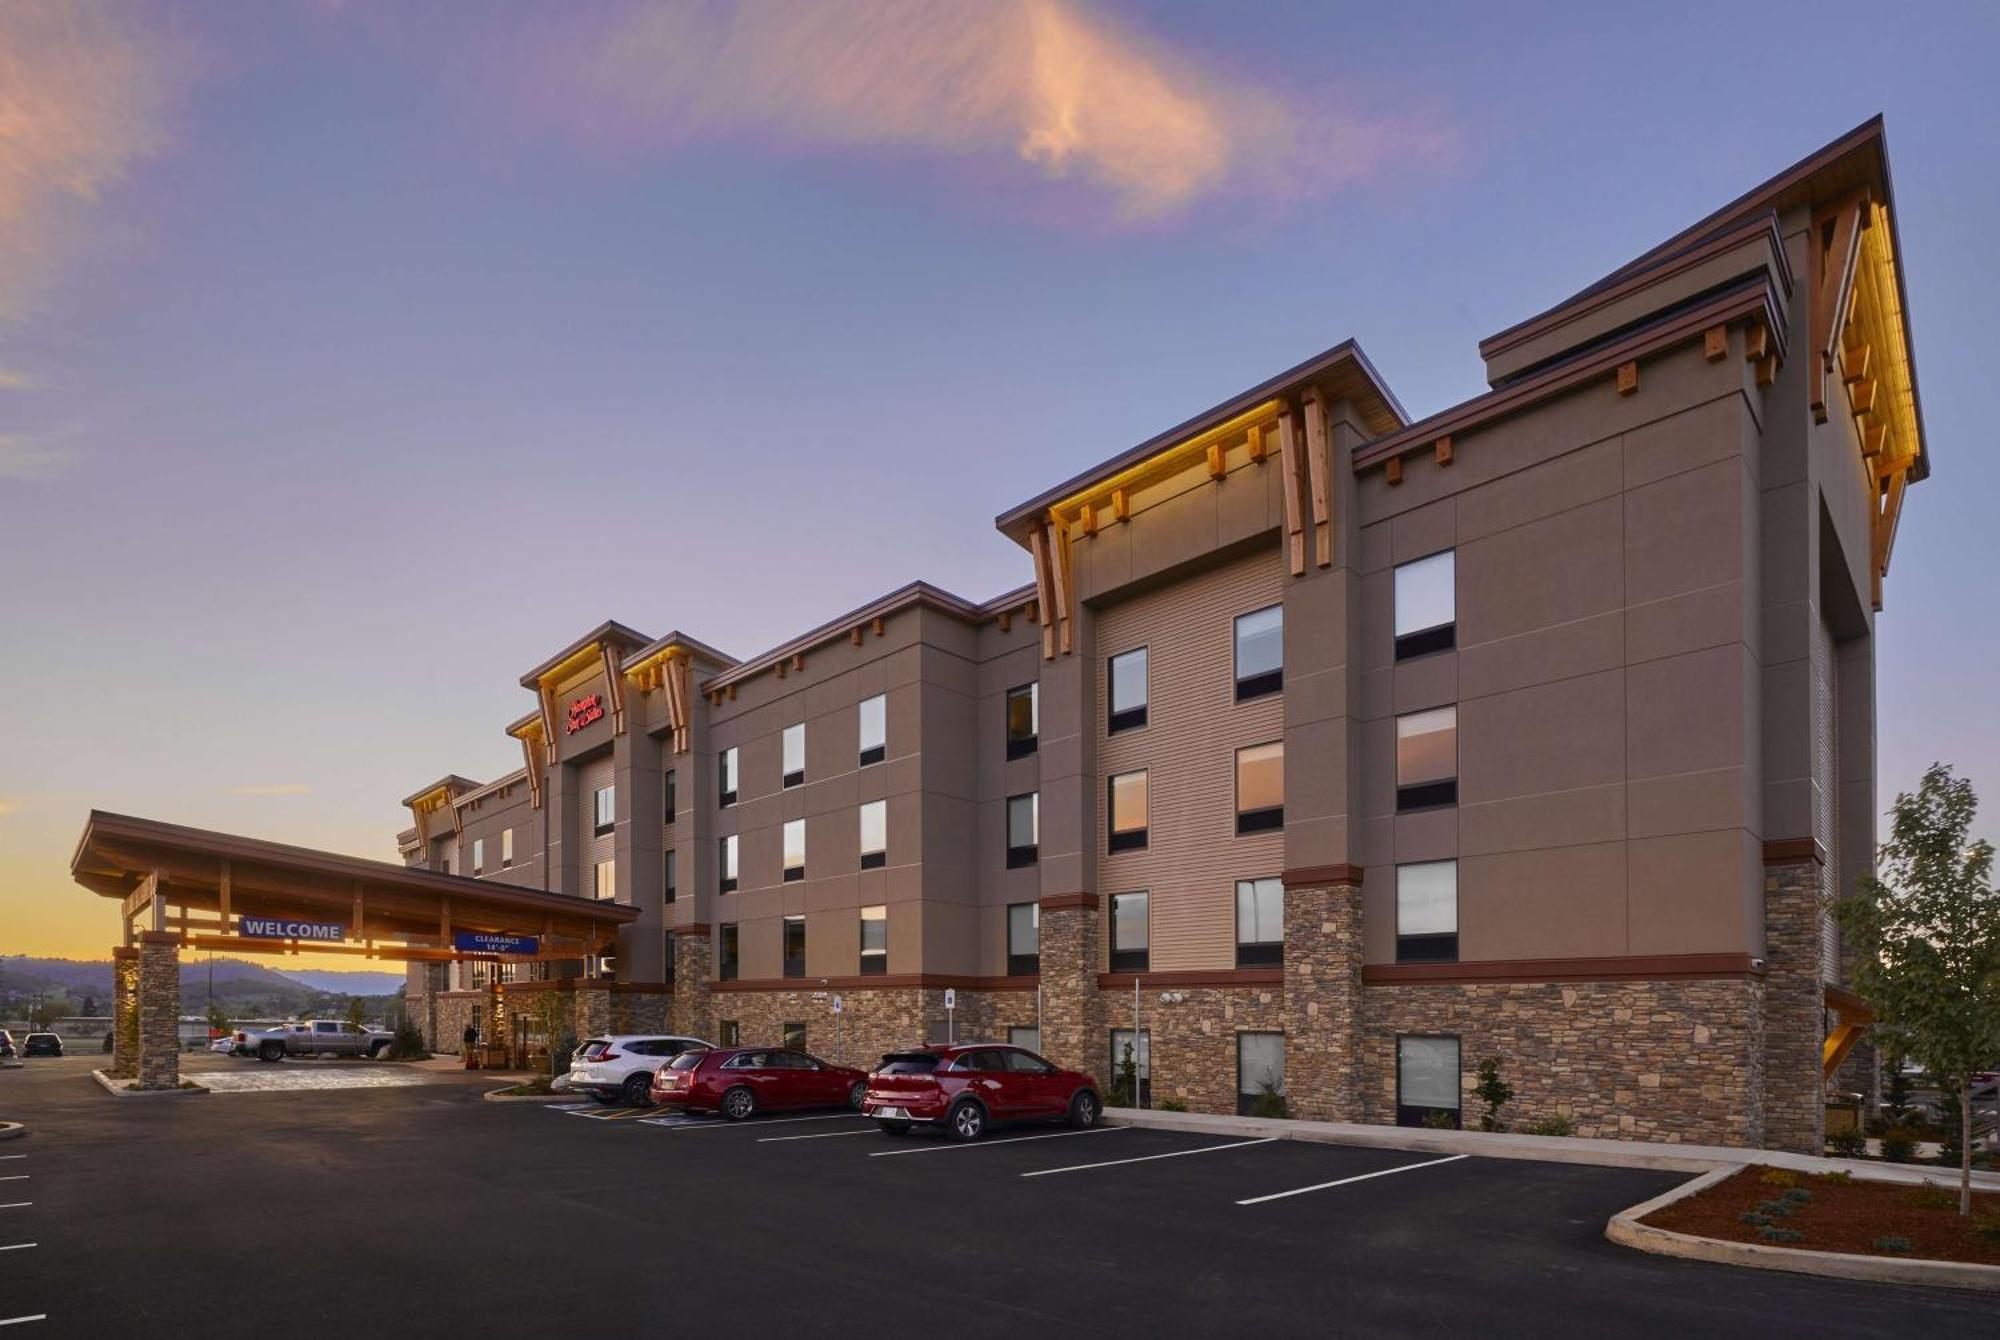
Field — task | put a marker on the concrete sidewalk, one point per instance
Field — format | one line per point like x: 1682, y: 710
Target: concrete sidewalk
x: 1540, y: 1148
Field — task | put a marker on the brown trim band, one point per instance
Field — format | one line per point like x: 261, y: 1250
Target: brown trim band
x: 1064, y: 902
x: 1223, y: 977
x: 158, y: 937
x: 1791, y: 851
x: 690, y: 928
x: 1321, y: 874
x: 886, y: 982
x: 124, y: 951
x: 1624, y: 968
x: 1850, y: 1005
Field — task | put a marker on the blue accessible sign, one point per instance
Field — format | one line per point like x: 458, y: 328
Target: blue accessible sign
x: 276, y: 928
x: 478, y: 942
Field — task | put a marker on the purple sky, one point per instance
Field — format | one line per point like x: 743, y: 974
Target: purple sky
x: 355, y: 357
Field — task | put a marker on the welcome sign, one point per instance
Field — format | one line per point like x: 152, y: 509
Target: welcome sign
x: 273, y: 928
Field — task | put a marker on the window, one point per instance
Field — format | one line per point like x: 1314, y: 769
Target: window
x: 795, y: 946
x: 1427, y: 759
x: 604, y: 807
x: 874, y: 729
x: 875, y: 835
x: 725, y: 777
x: 1024, y: 829
x: 672, y: 802
x: 1260, y: 1069
x: 1031, y: 1038
x: 672, y: 877
x: 726, y: 865
x: 1426, y: 1079
x: 479, y: 856
x: 1427, y: 912
x: 732, y: 1032
x: 725, y: 960
x: 1127, y: 675
x: 1426, y: 606
x: 668, y: 959
x: 607, y: 880
x: 506, y: 848
x: 1024, y: 720
x: 1260, y: 922
x: 1260, y: 788
x: 1024, y: 939
x: 1122, y: 1041
x: 1128, y: 932
x: 1260, y: 652
x: 794, y: 1033
x: 1128, y: 811
x: 795, y: 849
x: 874, y: 941
x: 795, y: 755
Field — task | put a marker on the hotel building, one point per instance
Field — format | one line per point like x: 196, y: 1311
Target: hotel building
x: 1326, y: 752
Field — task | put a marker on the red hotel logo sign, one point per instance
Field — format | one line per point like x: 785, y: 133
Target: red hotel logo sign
x: 584, y: 711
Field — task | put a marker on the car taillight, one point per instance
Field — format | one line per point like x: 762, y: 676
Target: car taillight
x: 605, y: 1056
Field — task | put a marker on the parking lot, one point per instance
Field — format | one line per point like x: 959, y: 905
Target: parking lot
x: 423, y: 1210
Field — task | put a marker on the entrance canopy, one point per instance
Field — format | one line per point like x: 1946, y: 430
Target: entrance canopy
x: 245, y: 895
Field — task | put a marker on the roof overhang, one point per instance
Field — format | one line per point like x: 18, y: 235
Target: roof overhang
x: 584, y: 652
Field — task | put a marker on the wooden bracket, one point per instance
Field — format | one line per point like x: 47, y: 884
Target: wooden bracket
x: 1444, y: 451
x: 1290, y: 450
x: 1317, y: 478
x: 1861, y: 396
x: 1767, y: 369
x: 1756, y: 341
x: 1121, y: 504
x: 1835, y: 249
x: 1392, y: 470
x: 1217, y: 467
x: 1088, y: 515
x: 1258, y: 449
x: 1715, y: 343
x: 1628, y: 377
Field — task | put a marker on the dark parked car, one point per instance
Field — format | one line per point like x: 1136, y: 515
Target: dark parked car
x: 968, y: 1086
x: 6, y: 1044
x: 41, y: 1044
x: 741, y: 1081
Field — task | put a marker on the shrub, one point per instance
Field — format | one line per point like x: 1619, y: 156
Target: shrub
x: 1125, y: 1080
x: 1270, y: 1103
x: 1841, y: 1178
x: 1439, y: 1121
x: 1494, y: 1092
x: 1798, y: 1195
x: 408, y: 1044
x: 560, y: 1054
x: 1778, y: 1177
x: 1780, y: 1234
x: 1777, y: 1209
x: 1988, y: 1228
x: 1557, y: 1125
x: 1899, y: 1143
x: 1847, y: 1144
x: 1173, y: 1105
x: 1892, y: 1244
x: 1931, y: 1196
x: 1752, y: 1217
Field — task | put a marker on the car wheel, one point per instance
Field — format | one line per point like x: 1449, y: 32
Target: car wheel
x: 857, y: 1095
x: 967, y: 1122
x: 1083, y: 1110
x: 638, y: 1088
x: 271, y: 1051
x: 738, y: 1103
x: 894, y: 1127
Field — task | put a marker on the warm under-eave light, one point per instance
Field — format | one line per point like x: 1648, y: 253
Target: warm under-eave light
x: 1164, y: 462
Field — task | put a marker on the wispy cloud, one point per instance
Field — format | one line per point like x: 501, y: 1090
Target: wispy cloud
x: 6, y: 808
x: 1045, y: 89
x: 87, y: 88
x: 272, y: 789
x: 23, y: 457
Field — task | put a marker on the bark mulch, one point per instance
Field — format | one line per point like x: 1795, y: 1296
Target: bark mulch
x: 1832, y: 1214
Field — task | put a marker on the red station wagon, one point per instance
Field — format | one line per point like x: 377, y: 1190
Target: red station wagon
x: 967, y: 1086
x: 741, y: 1081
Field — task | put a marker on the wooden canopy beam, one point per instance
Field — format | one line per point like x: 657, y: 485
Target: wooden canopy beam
x: 1836, y: 246
x: 1292, y: 482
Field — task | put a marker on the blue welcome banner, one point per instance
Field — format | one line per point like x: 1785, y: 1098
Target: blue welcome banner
x: 478, y: 942
x: 276, y: 928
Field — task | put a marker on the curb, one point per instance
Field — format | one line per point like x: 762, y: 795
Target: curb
x: 1626, y: 1230
x: 12, y: 1130
x: 1532, y: 1148
x: 117, y: 1089
x: 502, y: 1096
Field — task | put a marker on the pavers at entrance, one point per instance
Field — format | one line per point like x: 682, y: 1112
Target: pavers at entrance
x: 258, y: 1078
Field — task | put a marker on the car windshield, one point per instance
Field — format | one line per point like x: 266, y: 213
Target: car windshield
x: 685, y: 1061
x: 909, y: 1063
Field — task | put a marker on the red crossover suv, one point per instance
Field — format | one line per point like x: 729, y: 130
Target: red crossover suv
x: 741, y: 1081
x: 966, y: 1086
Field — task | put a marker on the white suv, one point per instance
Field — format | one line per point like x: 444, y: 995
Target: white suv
x: 619, y: 1067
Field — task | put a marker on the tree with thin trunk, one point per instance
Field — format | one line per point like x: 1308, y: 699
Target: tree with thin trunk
x: 1926, y: 936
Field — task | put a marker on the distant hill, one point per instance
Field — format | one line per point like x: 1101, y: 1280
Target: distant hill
x: 240, y: 987
x: 349, y: 983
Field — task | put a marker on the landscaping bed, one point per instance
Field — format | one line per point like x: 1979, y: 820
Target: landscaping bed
x: 1832, y: 1212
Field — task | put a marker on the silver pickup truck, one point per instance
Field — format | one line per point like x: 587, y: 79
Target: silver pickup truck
x: 334, y: 1037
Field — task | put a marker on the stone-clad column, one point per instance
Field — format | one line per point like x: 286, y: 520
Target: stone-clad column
x: 159, y: 999
x: 1323, y: 993
x: 1794, y: 1007
x: 1070, y: 1008
x: 592, y: 1009
x: 691, y: 1011
x: 124, y: 1012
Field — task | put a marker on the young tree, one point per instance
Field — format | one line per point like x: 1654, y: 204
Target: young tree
x: 1926, y: 936
x: 357, y: 1011
x: 218, y: 1018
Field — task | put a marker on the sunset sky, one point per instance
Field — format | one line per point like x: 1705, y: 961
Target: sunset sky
x: 354, y: 357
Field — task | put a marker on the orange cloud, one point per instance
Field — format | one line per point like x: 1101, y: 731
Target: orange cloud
x: 1042, y: 85
x: 86, y: 88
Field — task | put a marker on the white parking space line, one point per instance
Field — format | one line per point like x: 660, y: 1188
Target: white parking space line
x: 16, y: 1205
x: 816, y: 1135
x: 1328, y: 1186
x: 996, y: 1144
x: 17, y: 1247
x: 718, y: 1124
x: 12, y: 1156
x: 16, y: 1321
x: 17, y: 1177
x: 1148, y: 1158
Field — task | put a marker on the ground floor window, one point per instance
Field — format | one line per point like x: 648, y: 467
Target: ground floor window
x: 732, y: 1036
x: 1031, y: 1038
x: 1141, y: 1057
x: 795, y: 1035
x: 1427, y: 1085
x: 1260, y: 1073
